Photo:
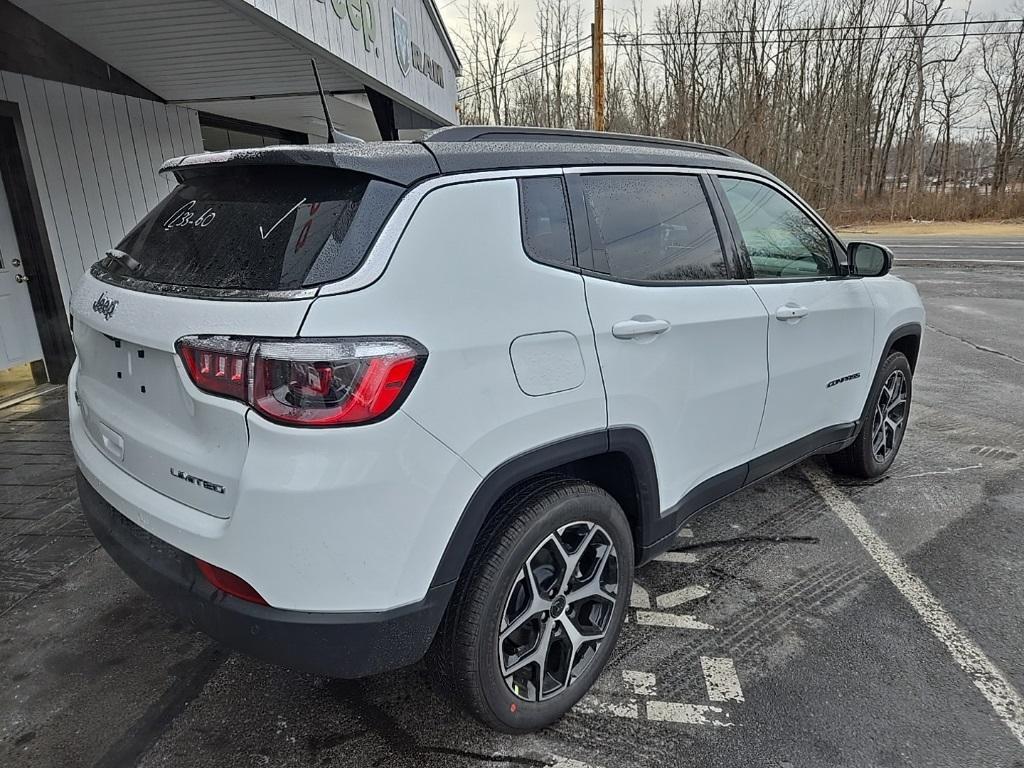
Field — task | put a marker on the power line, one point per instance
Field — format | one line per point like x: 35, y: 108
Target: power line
x: 782, y: 41
x: 526, y: 68
x: 529, y: 62
x: 841, y: 28
x: 481, y: 87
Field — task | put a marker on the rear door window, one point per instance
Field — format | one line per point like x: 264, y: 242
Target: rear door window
x: 257, y: 228
x: 653, y: 227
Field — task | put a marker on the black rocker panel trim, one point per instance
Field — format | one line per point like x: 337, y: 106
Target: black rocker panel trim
x: 716, y: 488
x: 652, y: 528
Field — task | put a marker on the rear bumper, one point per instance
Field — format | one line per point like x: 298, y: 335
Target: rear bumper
x: 350, y: 644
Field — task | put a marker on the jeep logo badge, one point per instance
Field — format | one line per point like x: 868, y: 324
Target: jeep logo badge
x: 104, y: 306
x: 403, y: 47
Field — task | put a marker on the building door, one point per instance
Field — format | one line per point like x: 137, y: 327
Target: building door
x: 19, y: 339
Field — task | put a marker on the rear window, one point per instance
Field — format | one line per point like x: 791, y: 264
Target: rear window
x: 257, y: 228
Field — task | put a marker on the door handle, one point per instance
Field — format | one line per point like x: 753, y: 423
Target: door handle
x: 790, y: 312
x: 639, y: 325
x: 20, y: 279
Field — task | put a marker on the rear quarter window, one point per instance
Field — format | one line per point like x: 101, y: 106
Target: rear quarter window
x: 545, y: 220
x: 257, y: 228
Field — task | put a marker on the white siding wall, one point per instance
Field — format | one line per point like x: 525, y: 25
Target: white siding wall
x: 95, y: 156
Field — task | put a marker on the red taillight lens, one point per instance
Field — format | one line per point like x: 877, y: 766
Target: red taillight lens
x: 217, y: 364
x: 315, y: 382
x: 330, y: 383
x: 226, y: 581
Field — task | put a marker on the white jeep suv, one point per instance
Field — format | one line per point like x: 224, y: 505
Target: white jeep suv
x: 347, y: 406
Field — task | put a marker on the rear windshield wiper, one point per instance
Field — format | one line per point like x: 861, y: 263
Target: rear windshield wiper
x: 125, y: 259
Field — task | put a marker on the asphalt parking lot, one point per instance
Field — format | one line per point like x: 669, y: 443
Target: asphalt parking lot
x: 810, y: 621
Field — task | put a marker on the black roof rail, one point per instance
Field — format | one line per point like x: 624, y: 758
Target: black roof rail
x: 466, y: 133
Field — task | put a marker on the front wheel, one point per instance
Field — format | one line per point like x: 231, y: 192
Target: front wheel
x: 881, y: 433
x: 538, y: 610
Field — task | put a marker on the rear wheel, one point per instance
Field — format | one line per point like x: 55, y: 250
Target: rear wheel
x: 538, y: 610
x: 881, y: 434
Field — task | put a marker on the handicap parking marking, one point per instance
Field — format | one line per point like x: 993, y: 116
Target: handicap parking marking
x: 592, y: 704
x: 689, y: 714
x: 640, y: 683
x: 986, y: 676
x: 639, y: 598
x: 676, y: 557
x: 567, y: 762
x: 670, y: 620
x: 720, y: 678
x: 678, y: 597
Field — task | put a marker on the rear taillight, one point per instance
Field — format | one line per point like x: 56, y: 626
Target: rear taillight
x: 217, y: 364
x: 307, y: 382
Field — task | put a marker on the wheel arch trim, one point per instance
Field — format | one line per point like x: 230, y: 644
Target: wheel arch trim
x: 914, y: 329
x: 628, y: 441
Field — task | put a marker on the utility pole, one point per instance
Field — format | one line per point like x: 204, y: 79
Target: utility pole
x: 597, y: 59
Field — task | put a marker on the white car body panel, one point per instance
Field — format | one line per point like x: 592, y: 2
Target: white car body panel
x: 323, y: 517
x: 805, y: 354
x: 896, y: 304
x: 484, y: 293
x: 697, y: 390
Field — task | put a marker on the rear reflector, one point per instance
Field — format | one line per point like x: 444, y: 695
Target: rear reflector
x: 228, y: 582
x: 307, y: 382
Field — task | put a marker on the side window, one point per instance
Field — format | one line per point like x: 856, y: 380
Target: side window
x: 653, y: 227
x: 545, y: 220
x: 780, y: 239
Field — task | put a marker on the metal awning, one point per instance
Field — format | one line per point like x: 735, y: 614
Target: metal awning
x: 223, y: 56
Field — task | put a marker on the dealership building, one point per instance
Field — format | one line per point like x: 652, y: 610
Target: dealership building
x: 96, y: 94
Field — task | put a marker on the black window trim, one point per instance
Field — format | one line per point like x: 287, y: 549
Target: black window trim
x: 834, y: 243
x: 574, y: 266
x: 580, y: 220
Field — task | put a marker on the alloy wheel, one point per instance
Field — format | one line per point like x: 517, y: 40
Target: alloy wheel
x: 890, y: 417
x: 558, y: 611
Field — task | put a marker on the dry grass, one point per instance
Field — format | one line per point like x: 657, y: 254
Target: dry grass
x: 940, y: 228
x: 953, y: 206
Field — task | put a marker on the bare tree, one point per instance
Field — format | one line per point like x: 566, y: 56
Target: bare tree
x: 1002, y: 61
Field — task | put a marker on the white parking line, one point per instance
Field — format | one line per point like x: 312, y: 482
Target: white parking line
x: 684, y: 533
x: 677, y: 557
x: 692, y: 714
x: 720, y: 677
x: 987, y: 677
x: 684, y: 595
x: 673, y: 620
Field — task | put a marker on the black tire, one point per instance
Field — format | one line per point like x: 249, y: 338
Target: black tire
x: 859, y: 459
x: 464, y: 658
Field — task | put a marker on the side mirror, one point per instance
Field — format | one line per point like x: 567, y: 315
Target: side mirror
x: 868, y: 259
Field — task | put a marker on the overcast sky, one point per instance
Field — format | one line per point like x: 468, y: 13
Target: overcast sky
x: 454, y: 10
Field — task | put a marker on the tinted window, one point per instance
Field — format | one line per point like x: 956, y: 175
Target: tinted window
x: 545, y: 217
x: 653, y: 227
x: 257, y: 229
x: 780, y: 239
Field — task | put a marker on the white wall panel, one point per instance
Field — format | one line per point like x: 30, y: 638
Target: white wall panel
x: 95, y: 156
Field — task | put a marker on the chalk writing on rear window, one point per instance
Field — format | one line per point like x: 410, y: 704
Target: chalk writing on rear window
x: 185, y: 217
